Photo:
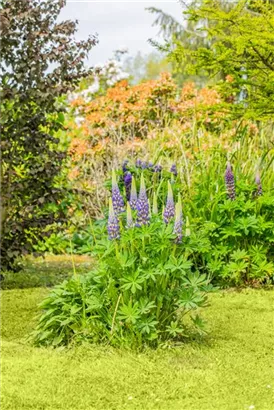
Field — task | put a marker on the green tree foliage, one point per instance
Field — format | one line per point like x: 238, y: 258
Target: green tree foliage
x: 146, y: 67
x: 172, y: 31
x: 41, y: 60
x: 237, y: 50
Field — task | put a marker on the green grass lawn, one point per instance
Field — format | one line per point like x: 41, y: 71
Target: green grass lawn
x: 231, y: 369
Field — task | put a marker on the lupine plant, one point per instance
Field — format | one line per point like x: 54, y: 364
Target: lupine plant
x: 237, y: 213
x: 145, y: 290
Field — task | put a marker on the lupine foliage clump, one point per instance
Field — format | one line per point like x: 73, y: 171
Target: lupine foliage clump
x: 146, y: 289
x: 238, y: 217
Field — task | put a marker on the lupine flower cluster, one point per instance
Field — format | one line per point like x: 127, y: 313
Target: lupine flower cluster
x: 143, y: 164
x: 139, y: 207
x: 178, y: 224
x: 157, y: 168
x: 117, y: 199
x: 230, y: 183
x: 173, y: 170
x: 113, y: 223
x: 127, y: 182
x: 150, y: 166
x: 142, y: 205
x: 169, y: 210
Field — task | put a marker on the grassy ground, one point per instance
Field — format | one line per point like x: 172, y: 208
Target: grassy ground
x: 232, y: 369
x: 45, y: 271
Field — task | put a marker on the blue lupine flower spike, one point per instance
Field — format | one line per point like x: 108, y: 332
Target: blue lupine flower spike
x: 133, y: 195
x: 229, y: 182
x: 142, y: 205
x: 117, y: 199
x: 113, y: 223
x: 169, y: 211
x: 173, y: 170
x: 157, y: 168
x: 127, y: 182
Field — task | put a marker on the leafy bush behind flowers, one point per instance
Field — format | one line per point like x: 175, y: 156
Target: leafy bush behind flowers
x: 144, y: 286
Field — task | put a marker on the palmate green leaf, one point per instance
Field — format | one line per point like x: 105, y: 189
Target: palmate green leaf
x: 239, y: 254
x: 247, y: 224
x: 258, y: 253
x: 198, y: 242
x: 237, y: 267
x: 195, y: 280
x: 148, y: 325
x: 264, y: 224
x: 178, y: 264
x: 146, y: 306
x: 229, y: 232
x: 174, y: 329
x: 133, y: 282
x: 262, y: 269
x: 129, y: 313
x: 126, y: 260
x: 152, y: 274
x: 219, y: 251
x: 215, y: 265
x: 190, y: 299
x: 94, y: 303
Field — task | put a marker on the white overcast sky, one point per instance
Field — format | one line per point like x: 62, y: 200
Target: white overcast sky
x: 118, y: 23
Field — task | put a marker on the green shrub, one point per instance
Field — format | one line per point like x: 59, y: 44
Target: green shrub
x: 145, y: 290
x: 240, y: 230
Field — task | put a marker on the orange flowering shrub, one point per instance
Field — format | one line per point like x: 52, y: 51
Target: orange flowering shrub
x: 134, y: 110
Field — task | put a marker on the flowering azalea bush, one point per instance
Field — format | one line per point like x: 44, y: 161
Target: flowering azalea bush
x: 134, y: 110
x: 146, y: 289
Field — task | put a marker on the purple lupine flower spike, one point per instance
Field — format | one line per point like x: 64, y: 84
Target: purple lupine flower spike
x: 133, y: 195
x: 150, y: 165
x: 117, y: 199
x: 178, y: 224
x: 130, y: 222
x: 138, y: 163
x: 157, y: 168
x: 113, y: 223
x: 173, y: 170
x: 169, y: 210
x: 142, y: 205
x: 127, y: 182
x: 230, y: 183
x: 259, y: 185
x: 144, y: 165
